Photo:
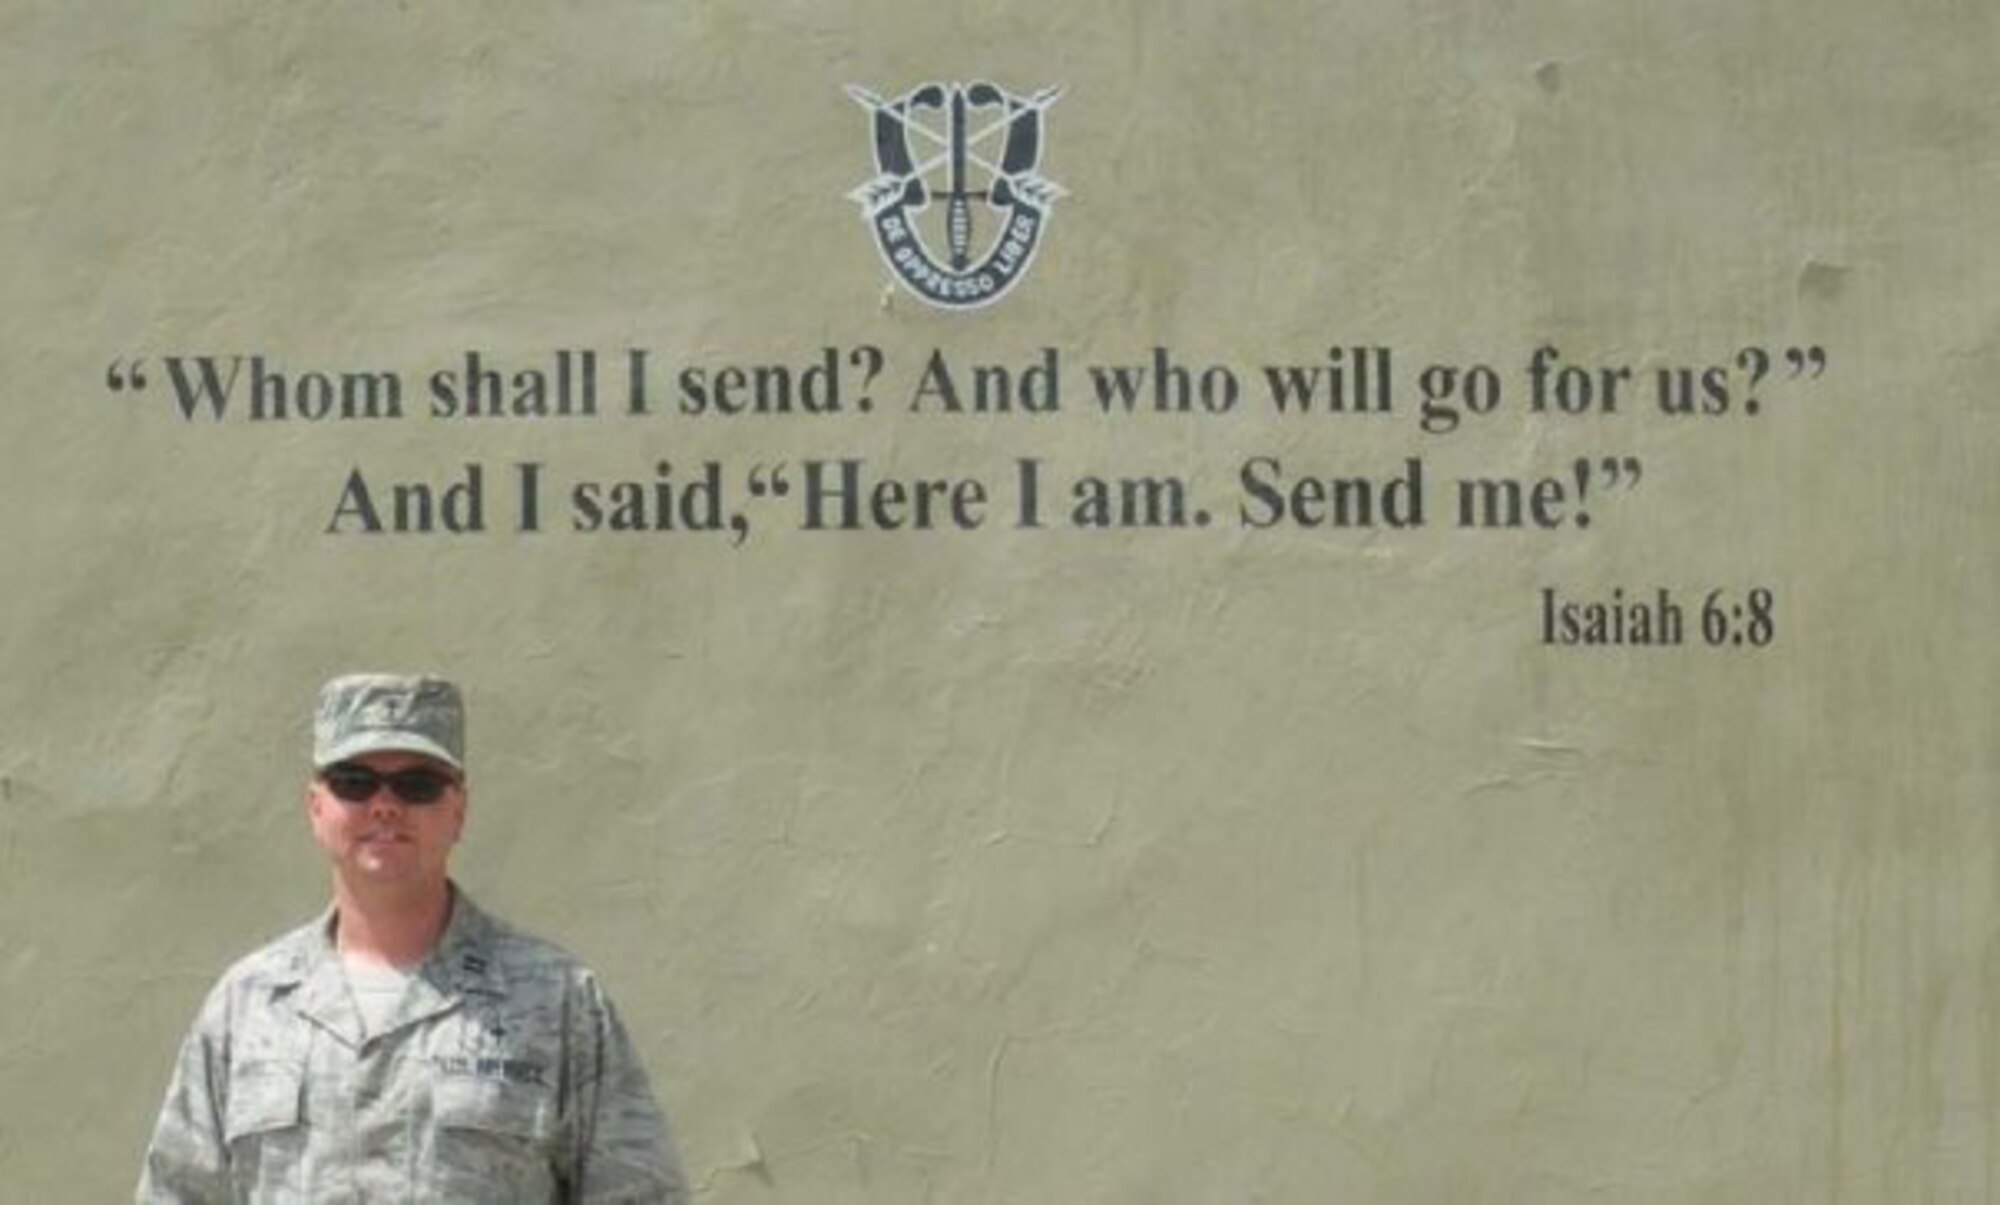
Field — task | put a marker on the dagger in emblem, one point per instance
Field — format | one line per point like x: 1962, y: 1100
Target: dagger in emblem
x: 958, y: 211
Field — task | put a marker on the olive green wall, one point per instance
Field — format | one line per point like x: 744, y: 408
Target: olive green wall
x: 1219, y: 863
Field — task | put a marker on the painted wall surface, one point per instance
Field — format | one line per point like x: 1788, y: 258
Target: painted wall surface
x: 1233, y: 849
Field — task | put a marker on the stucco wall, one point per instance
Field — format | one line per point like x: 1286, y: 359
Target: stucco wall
x: 1183, y: 862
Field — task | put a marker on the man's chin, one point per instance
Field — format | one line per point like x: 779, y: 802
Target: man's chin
x: 389, y: 861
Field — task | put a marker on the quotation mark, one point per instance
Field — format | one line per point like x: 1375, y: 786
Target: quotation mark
x: 119, y: 376
x: 1803, y: 358
x: 769, y: 481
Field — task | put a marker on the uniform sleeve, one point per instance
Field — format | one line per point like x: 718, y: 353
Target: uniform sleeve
x: 621, y: 1151
x: 187, y: 1160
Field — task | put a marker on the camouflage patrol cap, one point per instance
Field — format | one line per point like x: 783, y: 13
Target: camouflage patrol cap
x: 389, y: 713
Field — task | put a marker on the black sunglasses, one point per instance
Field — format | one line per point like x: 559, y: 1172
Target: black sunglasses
x: 418, y: 785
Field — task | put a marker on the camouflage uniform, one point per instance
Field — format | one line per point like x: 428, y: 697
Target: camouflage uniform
x: 503, y: 1075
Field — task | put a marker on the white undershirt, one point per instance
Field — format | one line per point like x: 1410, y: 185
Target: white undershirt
x: 378, y: 988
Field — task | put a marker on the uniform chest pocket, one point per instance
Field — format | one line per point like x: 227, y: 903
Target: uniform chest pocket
x: 264, y: 1127
x: 263, y: 1097
x: 495, y: 1140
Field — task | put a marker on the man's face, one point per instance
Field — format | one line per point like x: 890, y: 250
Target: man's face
x: 384, y: 840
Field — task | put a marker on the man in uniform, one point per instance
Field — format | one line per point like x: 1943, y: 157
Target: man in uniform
x: 405, y: 1046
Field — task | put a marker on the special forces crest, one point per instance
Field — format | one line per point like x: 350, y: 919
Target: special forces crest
x: 957, y: 204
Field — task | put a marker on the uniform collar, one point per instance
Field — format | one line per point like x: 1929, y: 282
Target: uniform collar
x: 461, y: 964
x: 463, y: 960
